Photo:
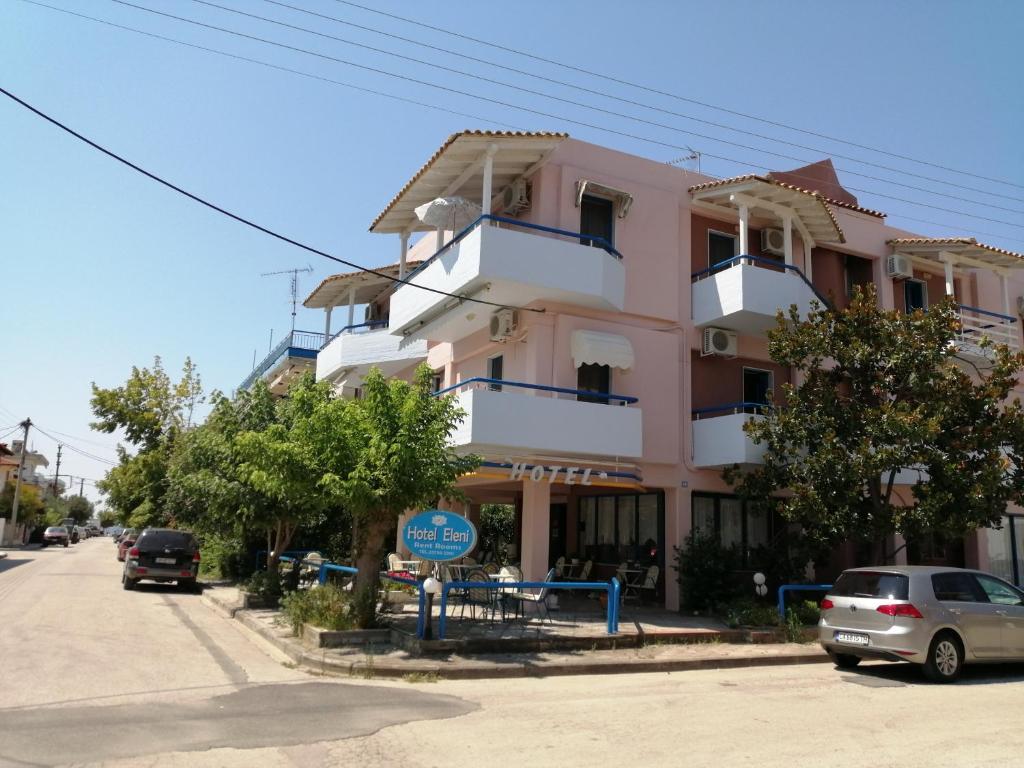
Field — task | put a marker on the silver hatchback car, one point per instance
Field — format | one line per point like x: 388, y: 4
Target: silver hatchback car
x: 938, y: 618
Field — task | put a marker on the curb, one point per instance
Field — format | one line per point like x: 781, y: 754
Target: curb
x: 319, y: 662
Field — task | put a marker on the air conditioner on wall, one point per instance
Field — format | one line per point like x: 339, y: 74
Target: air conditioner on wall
x: 718, y: 341
x: 503, y: 324
x: 515, y: 198
x: 773, y: 241
x: 899, y: 266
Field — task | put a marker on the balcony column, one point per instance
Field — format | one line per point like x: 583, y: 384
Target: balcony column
x: 787, y: 239
x: 808, y: 265
x: 487, y: 194
x: 401, y: 256
x: 1004, y: 286
x: 536, y: 528
x: 439, y: 240
x: 327, y: 322
x: 351, y: 306
x: 947, y: 263
x: 744, y: 231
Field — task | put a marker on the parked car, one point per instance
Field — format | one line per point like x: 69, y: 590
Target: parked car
x: 938, y: 618
x: 55, y: 534
x: 163, y: 555
x: 125, y: 542
x: 83, y: 532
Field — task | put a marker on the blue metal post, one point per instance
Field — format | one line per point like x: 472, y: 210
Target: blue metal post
x: 421, y: 620
x: 794, y: 588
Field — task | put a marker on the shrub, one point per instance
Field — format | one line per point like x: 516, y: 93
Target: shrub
x: 327, y: 607
x: 267, y: 586
x: 749, y: 613
x: 793, y: 626
x: 706, y: 572
x: 807, y: 611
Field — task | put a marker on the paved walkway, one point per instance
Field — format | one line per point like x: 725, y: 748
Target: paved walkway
x: 705, y: 650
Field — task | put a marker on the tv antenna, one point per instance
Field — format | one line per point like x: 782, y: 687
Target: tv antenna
x: 294, y: 284
x: 694, y: 156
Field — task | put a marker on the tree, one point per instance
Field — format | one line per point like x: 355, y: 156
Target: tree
x: 30, y: 503
x: 882, y: 391
x: 242, y: 471
x: 80, y: 508
x: 379, y: 456
x: 153, y: 412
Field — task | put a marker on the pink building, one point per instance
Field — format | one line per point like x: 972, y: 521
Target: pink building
x: 606, y: 405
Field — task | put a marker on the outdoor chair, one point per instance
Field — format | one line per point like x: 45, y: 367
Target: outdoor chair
x: 478, y: 597
x: 584, y: 573
x: 540, y: 599
x: 395, y: 563
x: 309, y: 572
x: 490, y: 568
x: 560, y: 567
x: 649, y: 586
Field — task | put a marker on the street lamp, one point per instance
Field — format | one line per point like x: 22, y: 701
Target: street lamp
x: 432, y: 587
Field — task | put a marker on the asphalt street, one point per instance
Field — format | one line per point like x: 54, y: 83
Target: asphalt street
x: 93, y: 675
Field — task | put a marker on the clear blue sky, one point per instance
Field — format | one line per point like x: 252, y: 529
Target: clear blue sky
x: 103, y: 269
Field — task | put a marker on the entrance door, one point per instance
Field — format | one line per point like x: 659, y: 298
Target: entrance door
x: 556, y: 541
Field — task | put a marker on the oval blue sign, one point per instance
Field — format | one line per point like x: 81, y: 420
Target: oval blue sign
x: 439, y: 535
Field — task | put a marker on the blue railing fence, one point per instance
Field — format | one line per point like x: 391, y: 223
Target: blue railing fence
x: 728, y: 408
x: 480, y: 380
x: 988, y: 313
x: 370, y: 325
x: 762, y: 262
x: 786, y: 588
x: 303, y: 341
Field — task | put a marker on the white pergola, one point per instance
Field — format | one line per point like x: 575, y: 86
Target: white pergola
x: 350, y: 288
x: 759, y: 196
x: 963, y: 252
x: 471, y: 164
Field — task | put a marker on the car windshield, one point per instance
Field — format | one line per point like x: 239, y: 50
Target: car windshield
x: 889, y: 586
x: 165, y: 540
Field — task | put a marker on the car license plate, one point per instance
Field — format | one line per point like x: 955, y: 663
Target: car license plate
x: 166, y: 560
x: 851, y: 638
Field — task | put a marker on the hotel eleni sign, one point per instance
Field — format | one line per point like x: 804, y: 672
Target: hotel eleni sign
x: 439, y: 535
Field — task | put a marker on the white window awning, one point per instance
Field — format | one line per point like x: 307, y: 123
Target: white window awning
x: 602, y: 349
x: 622, y: 199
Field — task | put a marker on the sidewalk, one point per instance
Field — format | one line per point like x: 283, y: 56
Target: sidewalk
x: 710, y: 651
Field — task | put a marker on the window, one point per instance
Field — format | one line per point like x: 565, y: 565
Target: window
x: 883, y: 586
x: 955, y: 587
x: 437, y: 381
x: 622, y: 527
x: 915, y: 295
x: 591, y: 377
x: 597, y: 218
x: 1006, y: 549
x: 734, y: 523
x: 721, y: 247
x: 756, y: 385
x: 999, y: 592
x: 495, y: 366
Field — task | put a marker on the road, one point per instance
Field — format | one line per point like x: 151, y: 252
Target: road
x: 93, y: 675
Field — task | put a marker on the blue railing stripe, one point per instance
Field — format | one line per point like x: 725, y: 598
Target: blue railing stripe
x: 370, y: 324
x: 540, y: 387
x: 729, y: 407
x: 294, y: 340
x: 989, y: 313
x: 767, y: 262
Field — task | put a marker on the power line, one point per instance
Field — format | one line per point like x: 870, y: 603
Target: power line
x: 80, y: 439
x: 675, y: 96
x: 383, y: 94
x: 77, y: 450
x: 248, y: 222
x: 621, y: 99
x: 499, y: 102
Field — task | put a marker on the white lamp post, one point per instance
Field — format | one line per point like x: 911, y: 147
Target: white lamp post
x: 432, y: 587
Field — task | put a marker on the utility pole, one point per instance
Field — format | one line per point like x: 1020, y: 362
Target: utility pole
x: 21, y: 468
x: 56, y: 474
x: 81, y: 486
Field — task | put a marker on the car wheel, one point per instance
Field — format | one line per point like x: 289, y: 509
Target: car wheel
x: 189, y: 585
x: 845, y: 660
x: 65, y: 544
x: 128, y: 583
x: 945, y: 658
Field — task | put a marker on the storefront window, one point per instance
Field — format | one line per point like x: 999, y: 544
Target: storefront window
x: 622, y: 528
x: 1006, y: 550
x: 734, y: 523
x: 730, y: 522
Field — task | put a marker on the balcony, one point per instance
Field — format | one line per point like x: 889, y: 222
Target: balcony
x: 491, y: 261
x: 718, y: 437
x: 744, y: 294
x: 506, y: 417
x: 353, y: 351
x: 976, y: 324
x: 294, y: 354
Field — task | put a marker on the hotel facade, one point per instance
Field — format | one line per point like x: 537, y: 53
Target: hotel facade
x: 603, y: 327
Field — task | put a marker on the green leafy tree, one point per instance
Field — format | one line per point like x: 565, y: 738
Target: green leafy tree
x: 31, y: 506
x: 379, y: 456
x: 152, y: 411
x: 880, y: 391
x: 243, y: 472
x: 79, y: 507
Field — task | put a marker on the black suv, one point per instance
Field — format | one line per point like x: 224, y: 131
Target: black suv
x: 163, y: 555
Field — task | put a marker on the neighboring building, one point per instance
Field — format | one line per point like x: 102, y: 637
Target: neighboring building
x: 606, y: 407
x: 290, y: 358
x: 8, y: 465
x: 30, y: 474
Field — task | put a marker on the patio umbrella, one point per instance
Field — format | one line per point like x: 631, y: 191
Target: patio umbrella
x: 448, y: 212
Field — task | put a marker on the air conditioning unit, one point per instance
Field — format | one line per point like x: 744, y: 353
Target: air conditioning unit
x: 515, y: 198
x: 899, y: 266
x: 773, y: 241
x: 718, y: 341
x: 503, y: 324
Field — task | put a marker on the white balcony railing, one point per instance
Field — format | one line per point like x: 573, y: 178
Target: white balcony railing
x: 354, y: 350
x: 505, y: 417
x: 718, y: 437
x: 504, y: 262
x: 744, y: 294
x: 976, y: 324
